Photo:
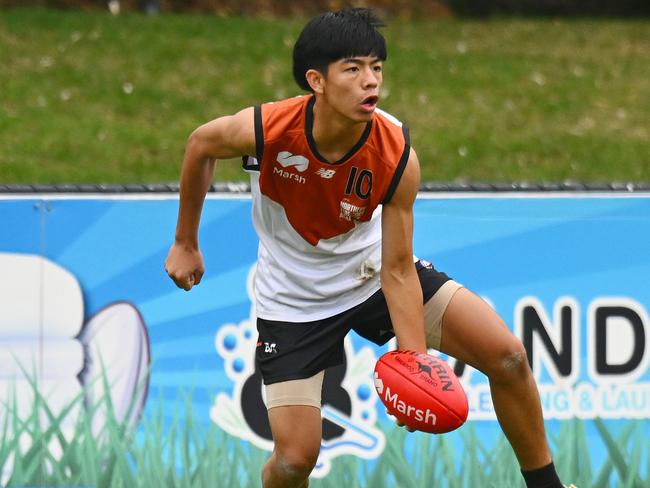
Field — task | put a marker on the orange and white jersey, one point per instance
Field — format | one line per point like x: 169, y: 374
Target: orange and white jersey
x: 319, y: 223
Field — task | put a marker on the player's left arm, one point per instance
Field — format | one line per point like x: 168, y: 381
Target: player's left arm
x: 399, y: 280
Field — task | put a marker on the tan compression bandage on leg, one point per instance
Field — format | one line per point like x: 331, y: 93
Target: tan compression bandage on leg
x: 305, y: 391
x: 434, y: 310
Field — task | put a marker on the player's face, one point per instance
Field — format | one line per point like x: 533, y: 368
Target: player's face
x: 352, y: 86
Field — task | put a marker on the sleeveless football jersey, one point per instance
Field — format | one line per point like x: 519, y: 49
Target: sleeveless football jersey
x: 319, y: 223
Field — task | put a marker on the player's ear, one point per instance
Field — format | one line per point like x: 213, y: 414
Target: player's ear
x: 316, y: 80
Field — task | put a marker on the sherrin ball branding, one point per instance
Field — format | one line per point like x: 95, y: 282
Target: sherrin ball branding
x: 421, y: 391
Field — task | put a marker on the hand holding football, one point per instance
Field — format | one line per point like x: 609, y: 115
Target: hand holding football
x: 421, y: 391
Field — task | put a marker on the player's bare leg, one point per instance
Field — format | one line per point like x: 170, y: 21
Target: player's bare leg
x: 475, y: 334
x: 297, y: 431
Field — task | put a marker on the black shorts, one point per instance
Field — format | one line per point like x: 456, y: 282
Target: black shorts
x: 296, y: 350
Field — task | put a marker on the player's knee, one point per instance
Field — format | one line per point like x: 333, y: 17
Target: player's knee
x: 297, y: 463
x: 511, y: 364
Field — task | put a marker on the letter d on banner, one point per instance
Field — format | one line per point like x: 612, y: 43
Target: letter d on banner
x: 617, y: 340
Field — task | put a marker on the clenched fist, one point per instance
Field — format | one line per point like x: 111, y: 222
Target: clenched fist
x: 184, y: 265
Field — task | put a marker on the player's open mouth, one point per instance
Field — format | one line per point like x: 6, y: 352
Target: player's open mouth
x: 370, y: 103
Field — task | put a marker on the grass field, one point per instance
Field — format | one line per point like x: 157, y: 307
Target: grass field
x: 86, y: 97
x: 182, y: 451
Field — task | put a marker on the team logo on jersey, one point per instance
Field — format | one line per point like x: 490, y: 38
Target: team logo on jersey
x: 286, y: 159
x: 326, y: 173
x: 349, y: 404
x: 351, y: 212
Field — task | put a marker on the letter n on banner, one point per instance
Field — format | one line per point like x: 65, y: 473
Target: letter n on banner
x: 551, y: 345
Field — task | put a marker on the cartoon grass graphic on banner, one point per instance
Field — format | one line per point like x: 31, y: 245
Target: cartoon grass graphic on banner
x: 187, y: 452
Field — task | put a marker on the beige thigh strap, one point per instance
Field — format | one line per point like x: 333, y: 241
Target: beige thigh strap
x: 307, y: 391
x: 434, y: 310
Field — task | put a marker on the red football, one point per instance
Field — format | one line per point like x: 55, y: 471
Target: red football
x: 421, y: 391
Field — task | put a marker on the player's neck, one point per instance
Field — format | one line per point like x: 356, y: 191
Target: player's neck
x: 334, y: 134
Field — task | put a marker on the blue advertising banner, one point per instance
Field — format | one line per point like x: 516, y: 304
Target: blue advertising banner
x: 83, y: 293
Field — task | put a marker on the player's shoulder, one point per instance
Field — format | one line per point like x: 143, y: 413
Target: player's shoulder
x: 281, y: 119
x: 389, y: 137
x: 284, y: 115
x: 390, y: 128
x: 286, y: 103
x: 386, y: 118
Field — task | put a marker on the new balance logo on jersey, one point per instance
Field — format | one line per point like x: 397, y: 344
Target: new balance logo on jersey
x: 326, y: 173
x: 286, y: 159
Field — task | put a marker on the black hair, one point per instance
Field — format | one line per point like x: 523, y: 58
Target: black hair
x: 336, y: 35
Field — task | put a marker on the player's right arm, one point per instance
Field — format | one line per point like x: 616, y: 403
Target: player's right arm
x: 223, y: 138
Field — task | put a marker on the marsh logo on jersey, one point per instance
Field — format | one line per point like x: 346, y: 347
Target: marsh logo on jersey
x: 286, y: 159
x: 349, y: 404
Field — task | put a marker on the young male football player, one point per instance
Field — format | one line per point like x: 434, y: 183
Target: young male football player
x: 333, y: 180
